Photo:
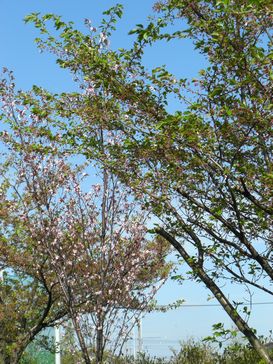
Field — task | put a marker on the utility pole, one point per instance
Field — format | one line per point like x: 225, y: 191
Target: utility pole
x: 134, y: 343
x: 139, y: 335
x: 57, y: 332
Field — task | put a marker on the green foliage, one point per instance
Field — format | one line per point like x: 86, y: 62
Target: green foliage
x: 220, y: 334
x: 191, y: 352
x: 205, y: 170
x: 36, y: 355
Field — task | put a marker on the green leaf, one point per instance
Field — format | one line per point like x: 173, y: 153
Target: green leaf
x: 31, y: 17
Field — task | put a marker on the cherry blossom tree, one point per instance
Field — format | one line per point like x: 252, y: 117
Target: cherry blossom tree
x: 92, y: 246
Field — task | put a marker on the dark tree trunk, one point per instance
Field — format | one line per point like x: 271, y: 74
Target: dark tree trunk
x: 99, y: 341
x: 219, y: 295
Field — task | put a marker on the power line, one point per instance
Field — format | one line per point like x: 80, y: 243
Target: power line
x: 165, y: 308
x: 218, y: 304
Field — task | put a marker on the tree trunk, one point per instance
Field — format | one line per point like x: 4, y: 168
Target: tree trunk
x: 80, y: 337
x: 219, y: 295
x: 99, y: 341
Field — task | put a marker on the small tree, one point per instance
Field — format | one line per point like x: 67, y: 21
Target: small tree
x: 92, y: 245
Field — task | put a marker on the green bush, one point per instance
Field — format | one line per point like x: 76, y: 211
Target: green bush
x: 240, y: 354
x: 191, y: 352
x: 37, y: 357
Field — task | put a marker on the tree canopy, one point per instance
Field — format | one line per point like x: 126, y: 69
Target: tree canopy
x: 205, y: 171
x: 67, y: 254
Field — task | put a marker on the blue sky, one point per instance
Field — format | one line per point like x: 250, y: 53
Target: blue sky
x: 20, y: 54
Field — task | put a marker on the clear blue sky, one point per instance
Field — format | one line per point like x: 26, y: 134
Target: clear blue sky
x: 20, y: 54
